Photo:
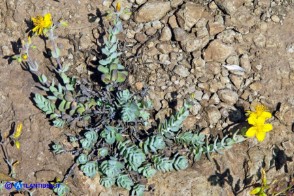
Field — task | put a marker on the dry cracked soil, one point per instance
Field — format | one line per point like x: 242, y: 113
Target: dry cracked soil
x: 176, y: 48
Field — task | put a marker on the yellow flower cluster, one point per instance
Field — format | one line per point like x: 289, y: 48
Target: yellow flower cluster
x: 42, y: 23
x: 257, y: 119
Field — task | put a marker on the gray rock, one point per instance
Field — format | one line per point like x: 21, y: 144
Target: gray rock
x: 164, y: 59
x: 245, y: 63
x: 227, y: 36
x: 176, y: 3
x: 172, y: 21
x: 191, y: 43
x: 214, y: 99
x: 229, y: 7
x: 151, y: 31
x: 228, y: 96
x: 189, y: 14
x: 164, y: 48
x: 213, y: 115
x: 216, y: 26
x: 156, y: 24
x: 151, y: 11
x: 243, y: 21
x: 237, y: 80
x: 198, y: 95
x: 141, y: 37
x: 259, y: 40
x: 233, y: 60
x: 181, y: 70
x: 275, y: 18
x: 180, y: 34
x: 195, y: 109
x: 6, y: 51
x: 166, y: 34
x: 140, y: 2
x: 217, y: 51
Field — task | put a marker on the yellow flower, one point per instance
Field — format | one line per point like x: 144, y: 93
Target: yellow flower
x: 257, y: 118
x: 24, y: 57
x: 18, y: 131
x: 258, y: 129
x: 41, y: 23
x: 118, y: 7
x: 260, y: 112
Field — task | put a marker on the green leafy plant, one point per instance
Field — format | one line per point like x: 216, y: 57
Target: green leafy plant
x: 90, y: 168
x: 111, y: 168
x: 61, y: 190
x: 110, y: 67
x: 153, y: 144
x: 132, y: 108
x: 125, y: 182
x: 138, y: 190
x: 110, y: 134
x: 147, y: 170
x: 173, y: 125
x: 132, y: 154
x: 112, y: 138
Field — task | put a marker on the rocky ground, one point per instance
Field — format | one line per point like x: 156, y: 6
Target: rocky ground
x: 177, y: 49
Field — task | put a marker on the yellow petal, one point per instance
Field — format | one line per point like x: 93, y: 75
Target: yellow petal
x: 252, y: 118
x: 267, y: 127
x: 35, y: 29
x: 17, y: 144
x: 18, y: 131
x: 34, y: 19
x: 118, y: 7
x: 255, y: 191
x: 251, y: 132
x: 47, y: 16
x: 260, y: 121
x: 266, y: 115
x: 260, y: 135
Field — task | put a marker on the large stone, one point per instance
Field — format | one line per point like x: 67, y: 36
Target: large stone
x: 140, y: 2
x: 245, y: 63
x: 176, y: 3
x: 242, y: 20
x: 166, y: 34
x: 215, y: 27
x: 180, y: 34
x: 191, y: 43
x: 181, y: 70
x: 189, y: 14
x: 229, y: 7
x: 195, y: 109
x: 151, y: 11
x: 213, y: 115
x: 228, y: 96
x: 217, y: 51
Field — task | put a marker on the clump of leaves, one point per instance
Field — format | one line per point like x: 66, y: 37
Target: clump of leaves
x: 115, y: 142
x: 61, y: 189
x: 110, y: 67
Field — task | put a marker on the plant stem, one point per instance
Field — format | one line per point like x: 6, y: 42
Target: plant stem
x: 51, y: 38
